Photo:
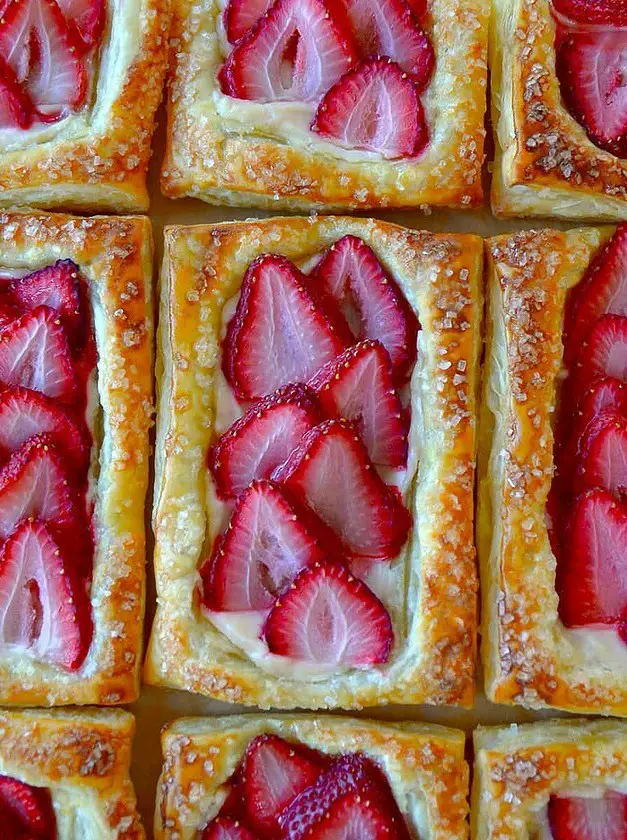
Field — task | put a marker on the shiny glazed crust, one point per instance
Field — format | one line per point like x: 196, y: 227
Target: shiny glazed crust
x: 529, y: 656
x: 421, y: 761
x: 222, y: 162
x: 83, y: 757
x: 97, y: 159
x: 518, y: 767
x: 115, y: 257
x: 440, y: 275
x: 545, y: 165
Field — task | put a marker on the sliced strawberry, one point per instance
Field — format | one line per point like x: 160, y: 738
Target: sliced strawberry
x: 603, y: 394
x: 241, y: 15
x: 265, y: 545
x: 352, y: 799
x: 263, y: 438
x: 602, y: 291
x: 24, y: 414
x: 273, y: 773
x: 390, y: 28
x: 34, y: 483
x: 88, y: 18
x: 28, y: 809
x: 296, y: 51
x: 331, y: 473
x: 612, y: 12
x: 418, y: 7
x: 226, y: 828
x: 34, y: 353
x: 592, y: 68
x: 58, y: 287
x: 359, y: 386
x: 375, y: 106
x: 372, y: 302
x: 329, y: 617
x: 278, y: 334
x: 8, y: 313
x: 605, y: 461
x: 603, y: 354
x: 593, y: 577
x: 577, y: 448
x: 16, y: 109
x: 588, y: 818
x: 40, y: 49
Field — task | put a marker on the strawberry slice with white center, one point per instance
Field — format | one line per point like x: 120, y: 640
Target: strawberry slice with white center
x: 279, y: 334
x: 370, y: 299
x: 8, y: 313
x: 329, y: 617
x: 359, y: 386
x: 265, y: 545
x: 241, y: 15
x: 604, y: 354
x: 16, y: 109
x: 263, y: 438
x: 35, y: 354
x: 588, y: 818
x: 331, y: 473
x: 592, y: 69
x: 273, y: 773
x: 88, y: 18
x: 604, y: 463
x: 27, y: 810
x: 592, y: 580
x: 58, y: 287
x: 36, y: 43
x: 226, y: 828
x: 603, y: 291
x: 390, y: 28
x: 295, y: 52
x: 351, y: 801
x: 375, y: 107
x: 44, y: 606
x: 24, y: 414
x: 612, y: 12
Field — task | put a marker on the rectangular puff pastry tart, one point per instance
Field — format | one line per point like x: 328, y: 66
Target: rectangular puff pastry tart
x: 552, y: 522
x: 559, y: 108
x: 555, y: 780
x: 80, y: 81
x: 315, y: 463
x: 75, y: 408
x: 327, y: 104
x: 246, y: 777
x: 64, y: 775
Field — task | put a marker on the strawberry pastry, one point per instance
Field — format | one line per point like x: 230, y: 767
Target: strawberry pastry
x: 317, y: 430
x: 306, y: 778
x: 58, y: 520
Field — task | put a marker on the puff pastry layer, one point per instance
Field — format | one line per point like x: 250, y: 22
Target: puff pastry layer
x: 97, y: 158
x: 225, y: 160
x: 545, y: 164
x: 440, y: 276
x: 529, y: 656
x: 115, y: 257
x: 83, y: 759
x: 424, y: 765
x: 518, y: 767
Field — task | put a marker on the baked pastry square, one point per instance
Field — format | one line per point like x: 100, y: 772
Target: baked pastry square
x: 556, y: 109
x: 552, y: 520
x: 75, y: 408
x: 247, y: 545
x: 239, y: 140
x: 556, y: 778
x: 65, y: 774
x: 417, y: 770
x: 77, y: 115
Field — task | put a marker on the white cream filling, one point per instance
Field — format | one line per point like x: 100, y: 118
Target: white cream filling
x: 599, y: 647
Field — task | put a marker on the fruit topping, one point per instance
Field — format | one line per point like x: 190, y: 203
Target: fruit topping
x: 588, y: 818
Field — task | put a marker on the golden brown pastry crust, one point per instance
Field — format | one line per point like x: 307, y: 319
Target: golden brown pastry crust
x: 440, y: 275
x: 545, y: 164
x: 83, y: 758
x: 518, y: 767
x: 529, y: 657
x: 115, y: 257
x: 210, y: 158
x: 420, y: 760
x: 98, y: 159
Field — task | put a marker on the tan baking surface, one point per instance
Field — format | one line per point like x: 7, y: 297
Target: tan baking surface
x: 156, y: 706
